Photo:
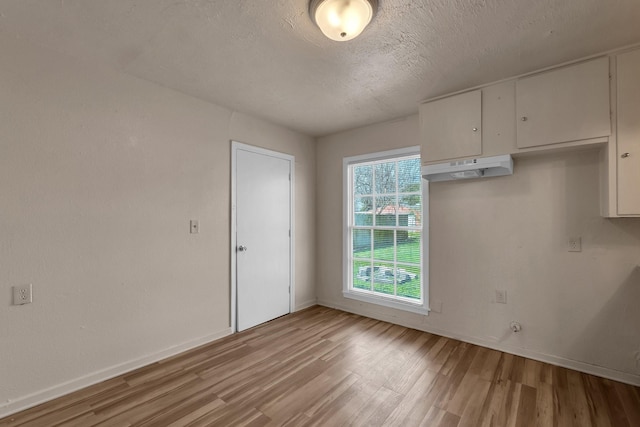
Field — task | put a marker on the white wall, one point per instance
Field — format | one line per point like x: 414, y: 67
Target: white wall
x: 100, y: 174
x: 577, y: 309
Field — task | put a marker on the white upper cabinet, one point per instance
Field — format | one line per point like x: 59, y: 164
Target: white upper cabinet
x: 567, y: 104
x: 450, y: 127
x: 628, y: 132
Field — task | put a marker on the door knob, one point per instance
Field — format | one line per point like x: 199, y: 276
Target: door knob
x: 625, y: 155
x: 242, y: 248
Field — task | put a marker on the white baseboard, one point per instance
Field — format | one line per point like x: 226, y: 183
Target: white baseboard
x: 307, y: 304
x: 34, y: 399
x: 587, y: 368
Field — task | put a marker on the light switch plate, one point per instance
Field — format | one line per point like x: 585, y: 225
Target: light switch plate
x: 22, y: 295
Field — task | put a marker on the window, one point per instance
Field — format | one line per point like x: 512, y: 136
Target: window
x: 386, y: 208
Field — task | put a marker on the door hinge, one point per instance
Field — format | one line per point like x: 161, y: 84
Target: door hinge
x: 289, y: 233
x: 289, y: 177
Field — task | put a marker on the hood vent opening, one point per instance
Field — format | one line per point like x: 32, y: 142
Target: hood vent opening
x: 478, y: 173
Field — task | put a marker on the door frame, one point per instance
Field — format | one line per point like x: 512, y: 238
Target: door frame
x: 235, y: 147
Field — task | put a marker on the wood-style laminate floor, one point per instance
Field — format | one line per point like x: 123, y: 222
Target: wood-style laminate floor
x: 330, y: 368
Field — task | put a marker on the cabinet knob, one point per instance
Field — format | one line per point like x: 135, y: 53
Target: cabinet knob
x: 523, y: 118
x: 475, y: 129
x: 625, y: 155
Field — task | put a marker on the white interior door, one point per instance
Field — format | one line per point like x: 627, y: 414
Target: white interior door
x: 263, y: 242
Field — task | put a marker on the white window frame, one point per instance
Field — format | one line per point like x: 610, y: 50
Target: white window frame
x: 393, y: 302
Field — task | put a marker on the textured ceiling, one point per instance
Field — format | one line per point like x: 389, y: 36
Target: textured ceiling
x: 265, y: 57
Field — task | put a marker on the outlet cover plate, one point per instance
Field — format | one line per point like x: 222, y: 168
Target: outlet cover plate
x: 575, y: 244
x: 194, y: 226
x: 22, y: 295
x: 501, y: 296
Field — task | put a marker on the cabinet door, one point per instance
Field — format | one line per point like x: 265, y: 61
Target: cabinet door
x: 569, y: 104
x: 450, y: 127
x: 628, y: 129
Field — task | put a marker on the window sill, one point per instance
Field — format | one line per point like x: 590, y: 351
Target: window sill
x: 386, y: 302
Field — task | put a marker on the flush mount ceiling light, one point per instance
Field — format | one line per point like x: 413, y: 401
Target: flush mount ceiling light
x: 342, y: 20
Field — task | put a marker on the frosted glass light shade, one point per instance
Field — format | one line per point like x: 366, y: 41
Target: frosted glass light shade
x: 342, y: 20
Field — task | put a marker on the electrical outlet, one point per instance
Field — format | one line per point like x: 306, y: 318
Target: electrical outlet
x: 22, y: 295
x: 194, y: 226
x: 501, y: 296
x: 575, y: 244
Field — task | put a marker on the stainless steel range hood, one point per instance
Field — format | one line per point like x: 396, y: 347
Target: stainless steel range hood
x: 481, y: 167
